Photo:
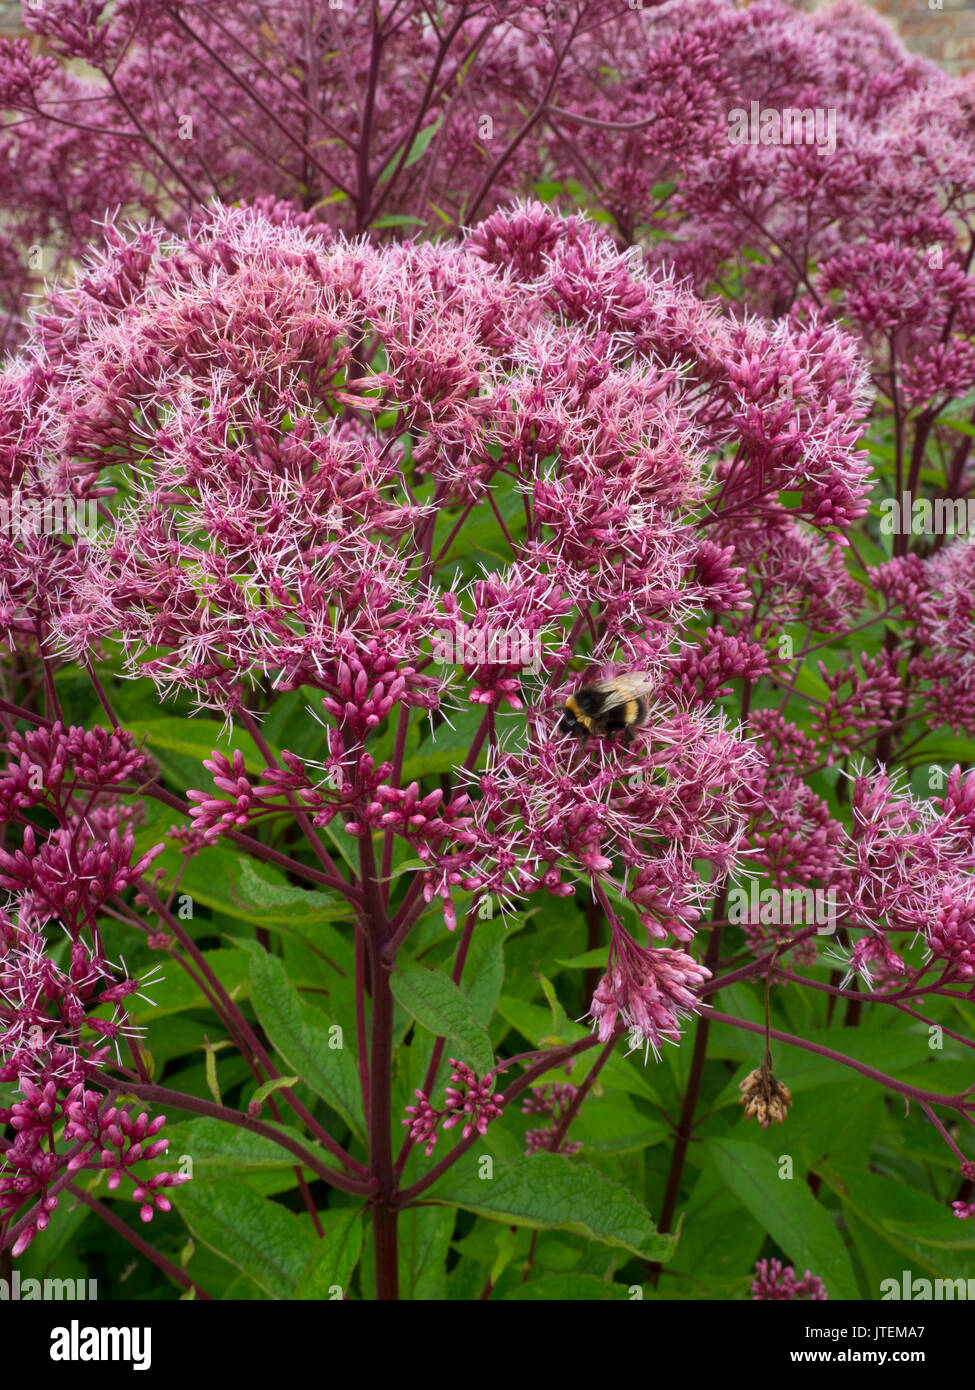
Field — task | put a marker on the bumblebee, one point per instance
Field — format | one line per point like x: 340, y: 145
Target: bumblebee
x: 607, y: 708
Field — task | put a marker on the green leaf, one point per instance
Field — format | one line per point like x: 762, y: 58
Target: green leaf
x: 445, y: 750
x: 615, y: 1126
x: 889, y: 1051
x: 336, y: 195
x: 924, y: 1233
x: 440, y: 1006
x: 296, y: 913
x: 299, y: 1033
x: 417, y: 150
x: 507, y: 1241
x: 213, y: 1084
x: 217, y: 879
x: 424, y: 1242
x: 719, y: 1239
x: 566, y: 1288
x: 197, y: 738
x: 396, y: 219
x: 546, y: 1191
x: 213, y: 1144
x: 786, y: 1208
x: 179, y: 991
x: 408, y: 866
x: 268, y: 1088
x: 560, y: 1019
x: 485, y: 969
x: 259, y: 1237
x: 809, y: 682
x: 589, y: 960
x: 339, y: 1250
x: 480, y: 533
x: 317, y: 906
x: 51, y: 1257
x: 535, y: 1023
x: 962, y: 426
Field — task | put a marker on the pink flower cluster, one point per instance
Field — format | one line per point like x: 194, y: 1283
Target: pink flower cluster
x: 648, y: 990
x: 62, y: 1024
x: 776, y: 1282
x: 552, y: 1099
x: 467, y: 1101
x: 276, y: 539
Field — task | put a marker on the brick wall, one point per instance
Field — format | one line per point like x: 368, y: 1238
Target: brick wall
x: 9, y: 18
x: 942, y: 30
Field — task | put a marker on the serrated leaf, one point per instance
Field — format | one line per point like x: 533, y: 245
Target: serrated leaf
x: 214, y: 1144
x: 435, y: 1002
x: 300, y: 1035
x: 546, y: 1191
x: 263, y: 894
x: 424, y: 1242
x: 339, y: 1250
x: 259, y: 1237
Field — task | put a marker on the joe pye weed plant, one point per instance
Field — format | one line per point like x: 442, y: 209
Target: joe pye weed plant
x: 323, y: 941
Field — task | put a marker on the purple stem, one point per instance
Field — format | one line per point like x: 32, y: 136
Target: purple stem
x: 901, y: 1087
x: 162, y: 1095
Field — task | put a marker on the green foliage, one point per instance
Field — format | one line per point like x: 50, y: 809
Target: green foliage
x: 545, y: 1191
x: 260, y: 1238
x: 309, y: 1047
x: 441, y: 1007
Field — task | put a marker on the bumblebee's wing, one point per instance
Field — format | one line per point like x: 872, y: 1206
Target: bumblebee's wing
x: 629, y: 686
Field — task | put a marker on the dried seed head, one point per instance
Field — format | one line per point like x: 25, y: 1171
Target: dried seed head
x: 764, y: 1098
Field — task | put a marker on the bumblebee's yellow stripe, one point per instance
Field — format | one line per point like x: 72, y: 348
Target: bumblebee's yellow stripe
x: 572, y: 705
x: 630, y: 711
